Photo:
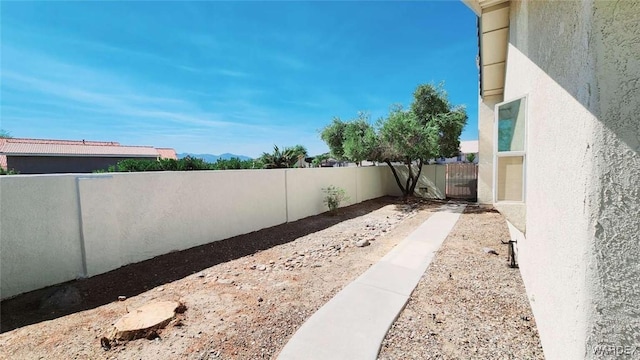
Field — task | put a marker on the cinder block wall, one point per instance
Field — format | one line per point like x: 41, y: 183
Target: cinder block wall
x: 55, y: 228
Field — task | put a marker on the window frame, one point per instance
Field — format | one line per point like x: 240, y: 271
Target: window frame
x: 520, y: 153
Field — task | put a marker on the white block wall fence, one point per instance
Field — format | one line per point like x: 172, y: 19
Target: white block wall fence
x: 56, y: 228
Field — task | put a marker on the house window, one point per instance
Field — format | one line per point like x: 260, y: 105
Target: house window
x: 510, y: 151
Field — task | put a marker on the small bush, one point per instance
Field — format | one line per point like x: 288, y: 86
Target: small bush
x: 333, y: 197
x: 8, y: 172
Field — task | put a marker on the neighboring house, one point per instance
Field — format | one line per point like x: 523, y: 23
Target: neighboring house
x: 559, y: 132
x: 42, y: 156
x: 167, y: 153
x: 466, y: 148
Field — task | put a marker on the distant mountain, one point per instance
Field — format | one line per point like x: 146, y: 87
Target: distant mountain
x: 211, y: 158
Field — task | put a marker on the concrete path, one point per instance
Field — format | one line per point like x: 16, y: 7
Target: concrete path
x: 353, y: 323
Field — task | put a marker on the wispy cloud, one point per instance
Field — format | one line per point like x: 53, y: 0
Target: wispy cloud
x: 214, y: 71
x: 49, y: 90
x: 99, y: 92
x: 287, y: 60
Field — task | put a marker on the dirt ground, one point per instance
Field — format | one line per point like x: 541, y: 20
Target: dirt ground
x: 247, y: 295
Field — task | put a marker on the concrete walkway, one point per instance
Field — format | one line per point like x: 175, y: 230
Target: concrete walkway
x: 353, y: 323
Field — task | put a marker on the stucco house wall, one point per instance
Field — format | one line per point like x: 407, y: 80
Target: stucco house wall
x: 485, y: 147
x: 577, y: 64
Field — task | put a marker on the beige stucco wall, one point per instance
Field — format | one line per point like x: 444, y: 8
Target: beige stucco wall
x: 371, y: 182
x: 132, y: 217
x: 39, y: 232
x: 615, y: 204
x: 577, y: 63
x: 46, y: 220
x: 486, y: 121
x: 431, y: 184
x: 304, y: 189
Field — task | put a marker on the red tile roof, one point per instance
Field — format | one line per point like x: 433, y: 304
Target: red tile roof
x: 30, y: 149
x: 167, y: 153
x: 50, y: 147
x: 52, y: 141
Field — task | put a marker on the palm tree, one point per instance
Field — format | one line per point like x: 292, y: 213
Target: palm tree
x: 4, y: 134
x: 279, y: 159
x: 285, y: 158
x: 300, y: 152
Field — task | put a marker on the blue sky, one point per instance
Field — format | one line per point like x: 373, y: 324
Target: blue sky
x: 214, y: 77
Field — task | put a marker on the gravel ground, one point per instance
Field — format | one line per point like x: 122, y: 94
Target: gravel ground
x: 247, y: 295
x: 469, y: 304
x: 240, y: 304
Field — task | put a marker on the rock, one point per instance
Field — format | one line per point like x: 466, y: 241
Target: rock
x: 122, y: 298
x: 160, y: 289
x: 146, y: 320
x: 362, y: 243
x: 225, y: 281
x: 260, y: 299
x: 201, y: 275
x: 489, y: 251
x: 105, y: 343
x: 64, y: 298
x: 261, y: 267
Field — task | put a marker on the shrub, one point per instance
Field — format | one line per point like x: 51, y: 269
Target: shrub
x: 333, y: 197
x: 8, y: 172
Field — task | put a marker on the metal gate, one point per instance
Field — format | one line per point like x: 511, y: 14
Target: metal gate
x: 462, y: 181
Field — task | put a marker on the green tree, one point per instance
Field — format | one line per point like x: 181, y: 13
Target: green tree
x: 333, y: 136
x: 430, y: 129
x: 360, y: 140
x: 431, y: 106
x: 235, y: 163
x: 471, y: 157
x: 405, y: 139
x: 318, y: 160
x: 300, y: 152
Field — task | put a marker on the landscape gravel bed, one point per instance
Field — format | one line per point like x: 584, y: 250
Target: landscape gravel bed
x: 469, y: 304
x: 244, y: 296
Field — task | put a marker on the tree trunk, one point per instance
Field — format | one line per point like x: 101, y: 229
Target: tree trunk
x: 413, y: 186
x: 410, y: 179
x: 395, y: 175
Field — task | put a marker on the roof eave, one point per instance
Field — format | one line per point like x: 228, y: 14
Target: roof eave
x: 493, y: 41
x: 81, y: 155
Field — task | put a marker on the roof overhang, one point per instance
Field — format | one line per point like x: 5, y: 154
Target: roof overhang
x: 10, y: 148
x: 493, y: 34
x: 124, y: 156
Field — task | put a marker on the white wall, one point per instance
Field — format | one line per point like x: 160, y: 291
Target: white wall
x: 577, y: 63
x: 48, y: 221
x: 371, y: 182
x: 431, y: 184
x: 132, y: 217
x: 304, y: 194
x: 616, y: 202
x: 39, y: 232
x: 485, y: 147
